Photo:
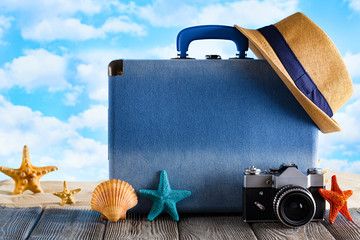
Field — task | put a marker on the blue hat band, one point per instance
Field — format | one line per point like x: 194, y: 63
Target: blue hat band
x: 296, y: 71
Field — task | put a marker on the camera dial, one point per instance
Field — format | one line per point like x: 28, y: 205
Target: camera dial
x: 252, y: 170
x: 314, y: 171
x: 294, y: 206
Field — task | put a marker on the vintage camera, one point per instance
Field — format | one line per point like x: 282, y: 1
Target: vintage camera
x: 285, y: 194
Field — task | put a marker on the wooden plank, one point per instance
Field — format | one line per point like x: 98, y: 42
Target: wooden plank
x: 69, y: 223
x: 313, y: 230
x: 136, y: 226
x: 343, y: 228
x: 17, y: 223
x: 214, y: 227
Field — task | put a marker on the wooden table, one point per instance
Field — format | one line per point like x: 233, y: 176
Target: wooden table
x: 74, y: 223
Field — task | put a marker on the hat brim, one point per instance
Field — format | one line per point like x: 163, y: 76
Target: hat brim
x: 262, y: 48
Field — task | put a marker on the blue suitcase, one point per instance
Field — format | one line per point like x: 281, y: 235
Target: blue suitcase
x: 204, y: 122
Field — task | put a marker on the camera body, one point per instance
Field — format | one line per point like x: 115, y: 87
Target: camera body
x: 285, y: 194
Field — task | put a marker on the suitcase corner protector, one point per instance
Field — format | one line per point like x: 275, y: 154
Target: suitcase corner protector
x: 116, y: 67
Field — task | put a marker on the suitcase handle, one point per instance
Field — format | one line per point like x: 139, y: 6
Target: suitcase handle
x: 187, y: 35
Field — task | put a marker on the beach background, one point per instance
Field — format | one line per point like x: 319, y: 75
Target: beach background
x: 53, y: 70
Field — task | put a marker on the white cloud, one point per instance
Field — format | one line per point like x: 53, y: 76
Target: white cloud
x: 43, y: 20
x: 19, y: 126
x: 57, y: 28
x: 333, y: 164
x: 327, y: 148
x: 248, y: 13
x: 55, y: 20
x: 40, y: 9
x: 94, y: 75
x: 352, y: 62
x: 123, y: 7
x: 72, y: 29
x: 50, y: 141
x: 122, y: 24
x: 341, y: 142
x: 354, y: 4
x: 85, y: 152
x: 4, y: 82
x: 356, y: 94
x: 93, y: 118
x: 348, y: 119
x: 342, y: 165
x: 92, y: 70
x: 36, y: 68
x: 46, y: 161
x: 5, y: 23
x: 167, y: 13
x: 71, y: 98
x: 166, y: 52
x: 180, y: 13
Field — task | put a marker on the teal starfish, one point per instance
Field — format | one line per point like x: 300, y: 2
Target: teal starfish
x: 164, y: 198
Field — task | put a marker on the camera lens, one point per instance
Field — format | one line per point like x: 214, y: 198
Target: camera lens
x: 294, y: 206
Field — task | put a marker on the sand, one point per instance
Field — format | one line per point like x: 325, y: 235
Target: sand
x: 29, y: 199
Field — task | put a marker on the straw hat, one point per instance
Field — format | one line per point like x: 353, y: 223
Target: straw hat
x: 308, y: 63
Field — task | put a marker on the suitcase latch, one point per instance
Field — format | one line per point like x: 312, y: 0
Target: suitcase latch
x: 213, y: 57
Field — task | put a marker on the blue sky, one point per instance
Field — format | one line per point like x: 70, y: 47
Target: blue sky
x: 53, y: 70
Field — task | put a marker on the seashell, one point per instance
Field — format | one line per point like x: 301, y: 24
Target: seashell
x: 113, y: 198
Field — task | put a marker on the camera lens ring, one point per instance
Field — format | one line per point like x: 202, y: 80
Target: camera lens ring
x: 285, y: 196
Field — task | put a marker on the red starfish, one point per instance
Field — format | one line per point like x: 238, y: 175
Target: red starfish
x: 337, y: 199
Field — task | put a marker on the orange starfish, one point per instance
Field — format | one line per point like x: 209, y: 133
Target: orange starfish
x: 337, y: 199
x: 67, y: 196
x: 27, y: 177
